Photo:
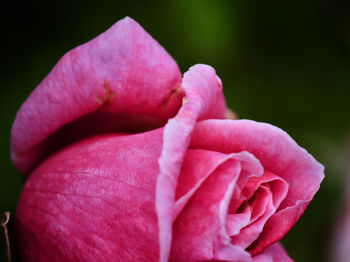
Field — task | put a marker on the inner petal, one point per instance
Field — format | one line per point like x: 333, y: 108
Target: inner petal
x: 277, y: 185
x: 261, y: 206
x: 199, y: 229
x: 199, y: 164
x: 279, y: 154
x: 261, y: 198
x: 250, y: 167
x: 235, y: 222
x: 247, y: 214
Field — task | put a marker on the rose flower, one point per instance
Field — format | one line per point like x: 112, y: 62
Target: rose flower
x: 126, y: 160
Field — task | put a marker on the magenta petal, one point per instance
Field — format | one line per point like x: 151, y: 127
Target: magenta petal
x: 204, y: 99
x: 196, y: 168
x: 232, y: 253
x: 199, y: 231
x: 250, y: 168
x: 93, y: 201
x: 273, y: 253
x: 278, y: 225
x: 279, y: 154
x: 123, y: 72
x: 278, y: 187
x: 199, y: 164
x: 243, y: 227
x: 235, y: 222
x: 261, y: 210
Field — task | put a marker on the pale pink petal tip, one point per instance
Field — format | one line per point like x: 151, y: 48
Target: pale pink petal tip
x: 203, y: 100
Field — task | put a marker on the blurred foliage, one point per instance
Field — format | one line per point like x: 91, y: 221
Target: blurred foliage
x: 285, y: 63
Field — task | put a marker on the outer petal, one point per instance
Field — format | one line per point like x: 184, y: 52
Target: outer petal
x: 204, y: 99
x: 279, y: 154
x: 93, y: 201
x: 274, y: 253
x: 120, y: 78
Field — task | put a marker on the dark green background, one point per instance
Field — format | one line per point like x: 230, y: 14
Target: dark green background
x: 282, y: 62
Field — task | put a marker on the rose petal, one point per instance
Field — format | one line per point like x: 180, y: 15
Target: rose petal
x: 279, y: 154
x: 278, y: 225
x: 204, y: 99
x: 238, y: 221
x: 262, y: 208
x: 235, y: 222
x: 199, y: 230
x: 273, y: 253
x: 93, y: 201
x: 250, y: 167
x: 199, y: 164
x: 123, y: 74
x: 278, y: 186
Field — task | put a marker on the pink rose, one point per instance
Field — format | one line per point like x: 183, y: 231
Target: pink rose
x: 109, y: 178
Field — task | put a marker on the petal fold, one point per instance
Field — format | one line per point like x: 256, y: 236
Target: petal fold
x: 279, y: 154
x: 120, y: 78
x: 203, y: 99
x: 199, y: 230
